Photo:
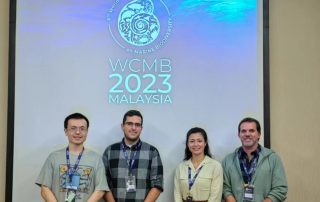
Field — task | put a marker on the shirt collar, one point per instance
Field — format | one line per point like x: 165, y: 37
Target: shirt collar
x: 134, y: 147
x: 204, y: 161
x: 242, y: 154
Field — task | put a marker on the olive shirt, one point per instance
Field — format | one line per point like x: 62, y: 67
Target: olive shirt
x: 207, y: 186
x: 91, y: 170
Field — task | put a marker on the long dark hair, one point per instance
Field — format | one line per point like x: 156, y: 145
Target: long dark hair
x: 187, y: 153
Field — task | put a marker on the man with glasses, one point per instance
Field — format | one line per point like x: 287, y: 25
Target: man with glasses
x: 133, y: 167
x: 74, y: 173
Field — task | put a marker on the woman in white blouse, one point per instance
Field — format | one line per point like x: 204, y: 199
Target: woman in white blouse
x: 199, y: 178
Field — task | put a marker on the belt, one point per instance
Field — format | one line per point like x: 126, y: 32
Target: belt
x: 194, y: 201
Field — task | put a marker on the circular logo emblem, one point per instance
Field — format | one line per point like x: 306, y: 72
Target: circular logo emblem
x: 137, y: 23
x: 139, y: 26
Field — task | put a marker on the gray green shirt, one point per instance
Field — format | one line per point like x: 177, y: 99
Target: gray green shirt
x: 91, y: 170
x: 269, y: 178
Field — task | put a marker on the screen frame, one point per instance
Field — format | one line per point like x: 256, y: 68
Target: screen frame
x: 11, y: 90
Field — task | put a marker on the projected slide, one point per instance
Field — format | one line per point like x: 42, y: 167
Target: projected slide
x: 182, y: 63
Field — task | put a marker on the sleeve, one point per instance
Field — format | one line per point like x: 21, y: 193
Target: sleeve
x: 227, y: 190
x: 156, y: 174
x: 177, y: 191
x: 217, y: 184
x: 100, y: 177
x: 105, y: 159
x: 46, y: 174
x: 279, y: 185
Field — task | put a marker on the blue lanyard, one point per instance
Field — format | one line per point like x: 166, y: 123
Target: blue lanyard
x: 191, y: 181
x: 249, y: 172
x: 71, y: 171
x: 130, y: 162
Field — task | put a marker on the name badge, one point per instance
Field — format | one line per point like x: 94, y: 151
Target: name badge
x: 189, y: 199
x: 70, y: 196
x: 248, y: 193
x: 74, y: 182
x: 131, y: 183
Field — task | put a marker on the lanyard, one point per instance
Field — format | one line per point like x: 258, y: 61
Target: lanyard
x: 130, y: 162
x: 249, y: 172
x: 191, y: 181
x: 71, y: 171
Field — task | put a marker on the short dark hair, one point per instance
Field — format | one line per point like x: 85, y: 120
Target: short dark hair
x: 75, y: 116
x: 250, y: 120
x: 187, y: 153
x: 132, y: 113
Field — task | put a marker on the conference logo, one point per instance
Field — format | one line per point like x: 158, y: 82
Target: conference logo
x: 139, y: 26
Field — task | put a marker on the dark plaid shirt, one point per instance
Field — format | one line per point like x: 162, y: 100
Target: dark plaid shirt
x: 147, y: 169
x: 244, y: 161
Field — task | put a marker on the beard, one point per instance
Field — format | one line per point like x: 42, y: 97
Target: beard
x: 250, y: 143
x: 132, y: 139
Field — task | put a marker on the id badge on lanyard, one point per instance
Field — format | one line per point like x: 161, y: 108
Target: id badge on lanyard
x: 248, y: 189
x: 72, y: 187
x: 70, y: 195
x: 248, y: 194
x: 72, y: 178
x: 130, y: 179
x: 131, y: 183
x: 189, y: 199
x: 74, y: 182
x: 191, y: 182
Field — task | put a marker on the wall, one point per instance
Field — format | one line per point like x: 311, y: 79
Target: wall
x: 295, y: 93
x: 294, y: 86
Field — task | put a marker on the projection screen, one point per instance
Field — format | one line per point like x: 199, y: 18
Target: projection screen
x: 182, y: 63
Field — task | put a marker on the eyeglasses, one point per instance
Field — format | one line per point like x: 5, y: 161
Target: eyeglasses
x: 76, y: 129
x: 131, y: 124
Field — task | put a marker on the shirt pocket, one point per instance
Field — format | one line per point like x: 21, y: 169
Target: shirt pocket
x: 203, y: 185
x: 184, y: 185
